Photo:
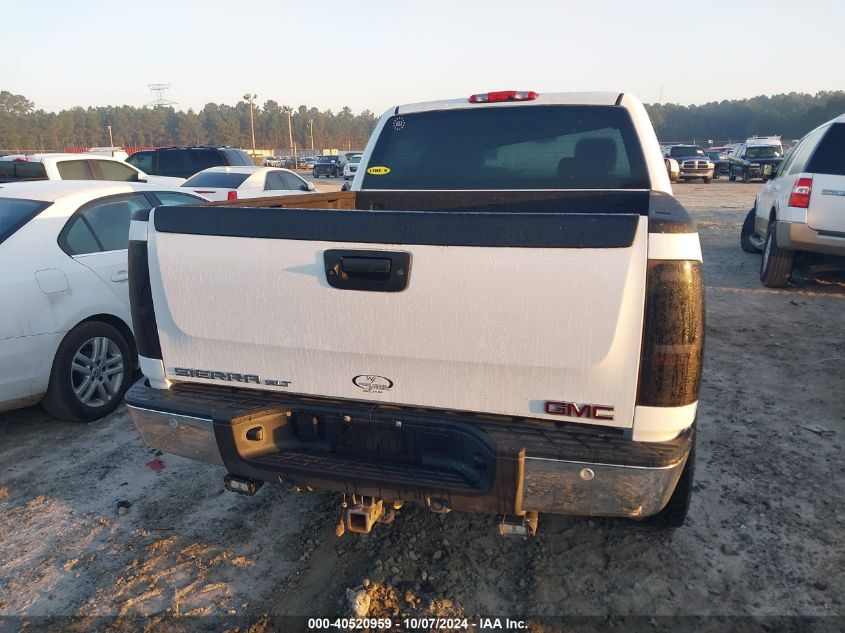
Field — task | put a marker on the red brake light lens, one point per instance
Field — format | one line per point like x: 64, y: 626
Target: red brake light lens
x: 21, y: 159
x: 800, y: 196
x: 504, y: 95
x: 232, y: 195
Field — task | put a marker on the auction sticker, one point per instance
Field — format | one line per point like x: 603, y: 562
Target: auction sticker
x: 378, y: 170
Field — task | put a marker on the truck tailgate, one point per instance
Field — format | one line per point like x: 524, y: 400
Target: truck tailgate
x: 827, y: 204
x: 498, y: 313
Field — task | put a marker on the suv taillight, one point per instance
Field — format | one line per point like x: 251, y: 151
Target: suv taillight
x: 232, y: 195
x: 673, y: 334
x: 800, y: 196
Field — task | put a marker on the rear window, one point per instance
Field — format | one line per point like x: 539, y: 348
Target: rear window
x: 11, y: 170
x: 15, y: 213
x: 216, y: 179
x: 683, y: 151
x: 829, y: 157
x: 74, y: 170
x: 174, y: 162
x: 766, y: 151
x: 536, y: 147
x: 205, y: 158
x: 112, y: 170
x: 143, y: 161
x: 238, y: 157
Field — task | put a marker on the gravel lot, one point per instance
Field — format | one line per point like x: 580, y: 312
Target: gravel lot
x: 765, y: 537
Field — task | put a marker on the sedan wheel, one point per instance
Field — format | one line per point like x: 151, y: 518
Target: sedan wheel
x: 90, y: 373
x: 97, y: 372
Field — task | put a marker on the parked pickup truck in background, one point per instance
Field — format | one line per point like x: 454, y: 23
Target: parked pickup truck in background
x: 514, y: 332
x: 692, y: 161
x: 756, y: 158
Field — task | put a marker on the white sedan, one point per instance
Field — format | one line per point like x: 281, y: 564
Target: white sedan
x: 234, y: 183
x: 351, y: 167
x: 65, y: 326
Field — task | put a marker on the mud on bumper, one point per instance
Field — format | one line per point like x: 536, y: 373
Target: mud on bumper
x: 463, y: 461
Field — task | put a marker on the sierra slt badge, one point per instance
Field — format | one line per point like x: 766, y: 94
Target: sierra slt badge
x: 574, y: 410
x: 228, y: 376
x: 372, y: 384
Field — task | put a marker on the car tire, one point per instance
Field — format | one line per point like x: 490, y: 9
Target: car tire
x: 776, y: 265
x: 747, y: 232
x: 707, y: 181
x: 90, y: 374
x: 674, y: 515
x: 745, y: 176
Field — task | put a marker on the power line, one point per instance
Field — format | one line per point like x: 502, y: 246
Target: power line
x: 160, y: 100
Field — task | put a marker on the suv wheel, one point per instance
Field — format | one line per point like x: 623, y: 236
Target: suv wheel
x: 776, y: 266
x: 90, y: 373
x: 745, y: 176
x: 748, y: 239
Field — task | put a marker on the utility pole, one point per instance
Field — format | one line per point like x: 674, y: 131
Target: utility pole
x: 111, y: 142
x: 311, y: 126
x: 661, y: 95
x: 290, y: 131
x: 249, y: 99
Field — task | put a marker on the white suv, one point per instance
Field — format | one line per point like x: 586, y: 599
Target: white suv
x: 802, y: 208
x: 23, y: 168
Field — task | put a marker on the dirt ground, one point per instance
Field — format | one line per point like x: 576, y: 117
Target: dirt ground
x: 765, y: 536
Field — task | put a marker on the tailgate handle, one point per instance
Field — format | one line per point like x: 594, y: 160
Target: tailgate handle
x: 374, y: 271
x: 365, y: 265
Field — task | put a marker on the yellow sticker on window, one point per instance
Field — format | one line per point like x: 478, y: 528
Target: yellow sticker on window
x: 378, y: 171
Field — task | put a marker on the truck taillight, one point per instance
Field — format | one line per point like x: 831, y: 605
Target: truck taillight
x: 800, y: 196
x: 504, y: 95
x: 232, y: 195
x: 673, y: 334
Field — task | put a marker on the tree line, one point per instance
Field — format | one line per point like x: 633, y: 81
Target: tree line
x: 23, y: 127
x: 790, y: 116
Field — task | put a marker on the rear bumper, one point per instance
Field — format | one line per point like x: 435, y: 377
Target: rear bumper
x: 464, y: 461
x: 797, y: 236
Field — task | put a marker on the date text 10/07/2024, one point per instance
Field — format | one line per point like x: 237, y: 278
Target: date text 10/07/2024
x: 418, y: 624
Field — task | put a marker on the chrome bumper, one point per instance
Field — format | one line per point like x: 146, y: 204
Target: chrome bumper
x: 797, y: 236
x: 177, y: 434
x: 697, y: 174
x: 548, y: 485
x: 582, y: 488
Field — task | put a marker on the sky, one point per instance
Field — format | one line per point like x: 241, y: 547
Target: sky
x: 374, y: 54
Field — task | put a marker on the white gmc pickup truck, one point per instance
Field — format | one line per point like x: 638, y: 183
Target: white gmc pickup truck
x: 504, y: 315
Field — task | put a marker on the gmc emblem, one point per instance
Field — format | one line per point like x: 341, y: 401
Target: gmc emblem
x: 574, y: 410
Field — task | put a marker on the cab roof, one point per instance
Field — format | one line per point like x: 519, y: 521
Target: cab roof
x: 40, y: 158
x: 543, y: 98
